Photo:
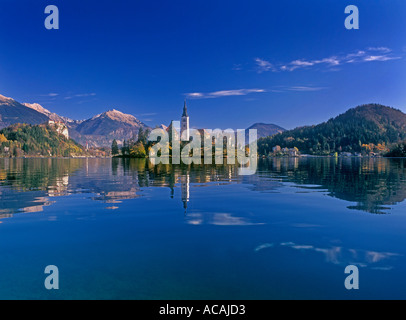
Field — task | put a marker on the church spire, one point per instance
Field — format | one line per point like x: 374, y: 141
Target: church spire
x: 184, y: 110
x: 184, y: 125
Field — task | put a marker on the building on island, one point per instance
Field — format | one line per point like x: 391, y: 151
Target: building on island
x: 60, y: 127
x: 184, y: 124
x: 183, y: 129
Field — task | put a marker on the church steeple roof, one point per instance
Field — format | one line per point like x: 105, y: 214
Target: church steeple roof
x: 184, y: 110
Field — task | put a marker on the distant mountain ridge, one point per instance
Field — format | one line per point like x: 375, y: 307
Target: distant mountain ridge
x: 265, y: 130
x: 103, y: 128
x: 106, y: 121
x: 98, y: 131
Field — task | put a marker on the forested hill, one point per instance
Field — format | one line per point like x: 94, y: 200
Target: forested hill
x: 367, y: 127
x: 37, y: 140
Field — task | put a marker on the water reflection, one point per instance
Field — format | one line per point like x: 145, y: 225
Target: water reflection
x: 185, y: 192
x: 27, y: 185
x: 378, y: 260
x: 372, y: 184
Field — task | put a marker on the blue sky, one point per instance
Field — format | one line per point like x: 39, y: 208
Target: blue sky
x: 291, y: 63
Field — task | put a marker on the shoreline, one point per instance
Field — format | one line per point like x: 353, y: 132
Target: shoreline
x: 259, y: 157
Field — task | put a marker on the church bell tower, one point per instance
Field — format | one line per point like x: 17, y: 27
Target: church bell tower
x: 184, y: 124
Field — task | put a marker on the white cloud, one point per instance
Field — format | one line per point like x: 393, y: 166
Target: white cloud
x: 380, y: 49
x: 302, y: 63
x: 361, y: 56
x: 239, y: 92
x: 359, y: 53
x: 380, y: 58
x: 80, y: 95
x: 333, y: 61
x: 304, y: 88
x: 297, y: 64
x: 195, y: 95
x: 263, y: 65
x: 85, y: 95
x: 223, y: 93
x: 244, y: 92
x: 52, y: 94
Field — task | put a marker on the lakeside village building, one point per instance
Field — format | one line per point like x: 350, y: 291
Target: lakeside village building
x: 291, y: 152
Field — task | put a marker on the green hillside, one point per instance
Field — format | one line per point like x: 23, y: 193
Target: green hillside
x: 367, y: 128
x: 37, y: 140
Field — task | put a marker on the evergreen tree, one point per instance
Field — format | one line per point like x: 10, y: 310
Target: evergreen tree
x: 143, y: 136
x: 114, y: 148
x: 125, y: 150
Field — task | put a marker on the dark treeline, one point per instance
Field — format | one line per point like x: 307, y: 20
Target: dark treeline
x: 365, y: 129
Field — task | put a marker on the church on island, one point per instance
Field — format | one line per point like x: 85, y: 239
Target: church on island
x: 184, y: 125
x: 183, y: 130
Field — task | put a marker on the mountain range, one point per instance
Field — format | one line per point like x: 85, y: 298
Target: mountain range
x: 371, y: 128
x: 98, y: 131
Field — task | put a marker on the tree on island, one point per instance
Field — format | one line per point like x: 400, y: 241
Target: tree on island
x: 125, y: 149
x: 114, y: 148
x: 134, y: 148
x: 143, y: 136
x: 138, y: 150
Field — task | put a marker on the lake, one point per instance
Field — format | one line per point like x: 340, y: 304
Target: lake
x: 124, y: 229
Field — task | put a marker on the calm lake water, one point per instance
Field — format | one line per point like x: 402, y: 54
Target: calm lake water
x: 123, y: 229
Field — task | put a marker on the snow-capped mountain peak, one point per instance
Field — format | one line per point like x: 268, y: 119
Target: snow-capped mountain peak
x: 51, y: 115
x: 4, y: 99
x: 117, y: 115
x: 38, y: 107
